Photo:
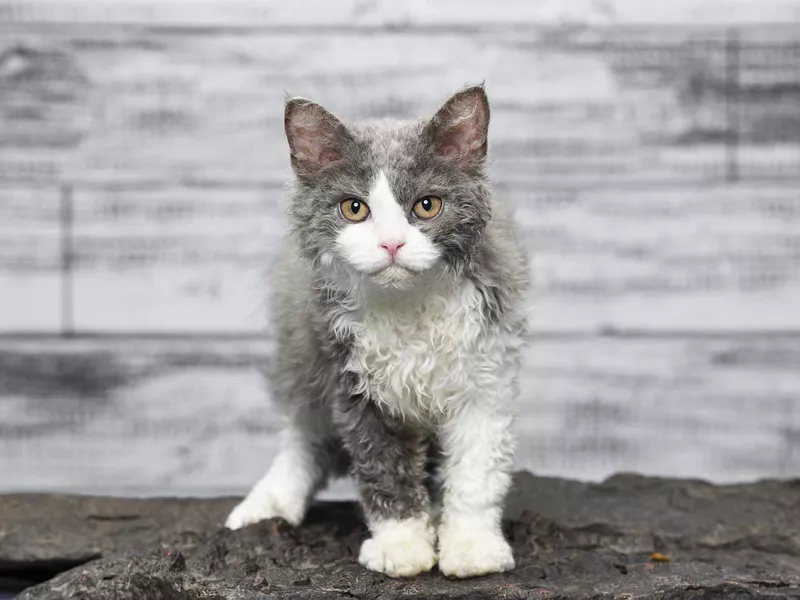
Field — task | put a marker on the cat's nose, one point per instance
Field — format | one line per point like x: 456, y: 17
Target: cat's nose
x: 392, y: 247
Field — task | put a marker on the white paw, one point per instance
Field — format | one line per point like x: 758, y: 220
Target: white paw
x: 262, y: 505
x: 400, y: 549
x: 473, y: 553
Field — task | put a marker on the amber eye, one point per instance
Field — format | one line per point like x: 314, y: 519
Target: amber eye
x: 428, y: 207
x: 354, y: 210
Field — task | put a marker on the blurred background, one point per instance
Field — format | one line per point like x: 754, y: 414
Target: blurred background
x: 651, y: 152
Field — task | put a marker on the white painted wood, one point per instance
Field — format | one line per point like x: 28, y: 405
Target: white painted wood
x: 187, y: 417
x: 608, y: 146
x: 389, y: 13
x: 137, y: 105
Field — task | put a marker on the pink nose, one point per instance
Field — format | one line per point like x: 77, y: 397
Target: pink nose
x: 392, y: 247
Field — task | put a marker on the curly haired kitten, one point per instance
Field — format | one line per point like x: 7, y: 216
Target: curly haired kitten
x: 398, y: 311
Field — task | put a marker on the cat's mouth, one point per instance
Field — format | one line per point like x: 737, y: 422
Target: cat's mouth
x: 394, y: 267
x: 393, y: 275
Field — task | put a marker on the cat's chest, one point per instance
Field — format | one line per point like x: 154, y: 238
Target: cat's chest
x: 415, y: 359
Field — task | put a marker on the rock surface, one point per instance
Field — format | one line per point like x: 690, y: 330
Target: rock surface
x: 628, y: 537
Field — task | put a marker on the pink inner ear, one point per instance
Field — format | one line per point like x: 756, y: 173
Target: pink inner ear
x: 460, y: 126
x: 461, y: 139
x: 447, y: 149
x: 462, y: 131
x: 311, y: 146
x: 328, y: 156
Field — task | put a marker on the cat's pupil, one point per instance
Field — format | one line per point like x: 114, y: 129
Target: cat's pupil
x: 355, y: 206
x: 426, y: 204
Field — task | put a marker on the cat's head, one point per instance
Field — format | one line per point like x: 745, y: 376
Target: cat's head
x: 388, y: 201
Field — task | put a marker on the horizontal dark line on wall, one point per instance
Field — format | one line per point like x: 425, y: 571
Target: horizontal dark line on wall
x: 259, y: 25
x: 254, y: 336
x: 551, y: 184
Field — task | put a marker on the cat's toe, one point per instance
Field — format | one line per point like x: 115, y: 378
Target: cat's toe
x: 473, y: 553
x: 260, y: 507
x: 398, y: 558
x: 248, y: 512
x: 402, y: 550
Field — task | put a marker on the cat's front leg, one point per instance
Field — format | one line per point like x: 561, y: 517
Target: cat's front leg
x: 389, y: 464
x: 302, y: 466
x: 478, y: 448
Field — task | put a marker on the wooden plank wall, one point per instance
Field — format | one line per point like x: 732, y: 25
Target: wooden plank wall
x: 413, y: 13
x: 190, y: 416
x: 650, y: 166
x: 650, y: 149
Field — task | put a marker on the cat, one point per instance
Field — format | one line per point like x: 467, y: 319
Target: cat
x: 398, y: 310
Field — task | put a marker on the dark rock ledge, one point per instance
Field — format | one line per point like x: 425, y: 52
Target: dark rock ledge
x: 571, y: 540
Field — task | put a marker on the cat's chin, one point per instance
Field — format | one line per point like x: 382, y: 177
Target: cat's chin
x: 394, y: 276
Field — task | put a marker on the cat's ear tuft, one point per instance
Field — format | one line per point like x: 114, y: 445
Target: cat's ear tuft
x: 459, y: 130
x: 316, y: 138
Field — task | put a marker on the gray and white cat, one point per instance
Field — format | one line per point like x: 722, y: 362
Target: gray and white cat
x: 398, y: 308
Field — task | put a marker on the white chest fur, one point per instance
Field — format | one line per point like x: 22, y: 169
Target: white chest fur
x: 419, y: 357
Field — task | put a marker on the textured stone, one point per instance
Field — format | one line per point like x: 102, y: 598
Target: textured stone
x: 628, y: 537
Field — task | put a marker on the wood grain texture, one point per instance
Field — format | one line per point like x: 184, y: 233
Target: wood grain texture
x: 178, y: 258
x: 386, y: 13
x: 182, y: 416
x: 138, y: 104
x: 654, y: 184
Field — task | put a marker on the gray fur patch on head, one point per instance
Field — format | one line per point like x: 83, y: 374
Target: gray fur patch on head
x: 443, y: 157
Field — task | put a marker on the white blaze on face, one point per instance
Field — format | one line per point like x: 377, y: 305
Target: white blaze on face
x: 362, y: 244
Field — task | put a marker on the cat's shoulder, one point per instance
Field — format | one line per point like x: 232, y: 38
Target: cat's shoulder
x: 500, y: 268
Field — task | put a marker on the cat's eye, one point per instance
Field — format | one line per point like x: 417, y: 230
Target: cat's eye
x: 354, y: 210
x: 427, y: 207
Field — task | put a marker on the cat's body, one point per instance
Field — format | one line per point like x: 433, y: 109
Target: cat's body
x: 398, y: 335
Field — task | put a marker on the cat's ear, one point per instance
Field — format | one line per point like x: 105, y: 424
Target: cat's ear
x: 459, y: 130
x: 316, y: 138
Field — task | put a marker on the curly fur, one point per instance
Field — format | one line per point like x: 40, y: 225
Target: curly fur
x: 386, y: 362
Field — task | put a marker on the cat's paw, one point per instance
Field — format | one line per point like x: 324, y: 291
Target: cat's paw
x: 262, y: 505
x: 400, y: 549
x: 471, y: 553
